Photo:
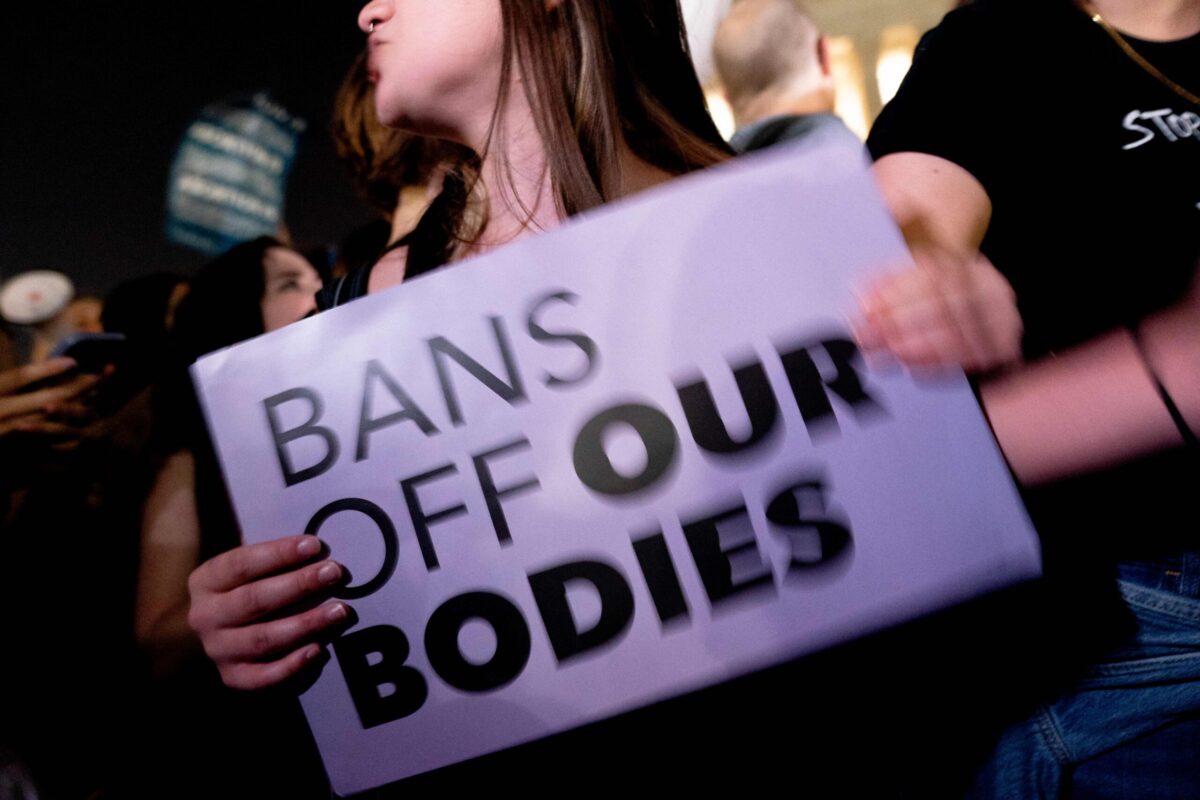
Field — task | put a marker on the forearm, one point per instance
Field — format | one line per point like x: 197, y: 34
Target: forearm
x: 170, y: 550
x: 1096, y: 405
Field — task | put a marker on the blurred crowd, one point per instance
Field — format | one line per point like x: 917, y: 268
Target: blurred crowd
x: 108, y: 478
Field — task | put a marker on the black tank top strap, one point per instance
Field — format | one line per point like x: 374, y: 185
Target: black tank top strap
x: 429, y: 247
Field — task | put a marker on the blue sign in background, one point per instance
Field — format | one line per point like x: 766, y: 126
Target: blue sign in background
x: 228, y: 181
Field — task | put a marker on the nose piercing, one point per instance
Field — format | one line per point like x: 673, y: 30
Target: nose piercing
x: 371, y: 26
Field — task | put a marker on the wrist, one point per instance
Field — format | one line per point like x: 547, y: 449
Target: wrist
x: 1168, y: 346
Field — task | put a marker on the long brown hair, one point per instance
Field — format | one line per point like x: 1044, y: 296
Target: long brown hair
x: 599, y: 73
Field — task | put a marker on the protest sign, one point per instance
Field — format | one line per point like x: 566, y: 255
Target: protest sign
x: 611, y: 463
x: 230, y: 173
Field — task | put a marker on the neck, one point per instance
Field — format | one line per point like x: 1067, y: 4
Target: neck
x: 515, y: 178
x: 518, y: 190
x: 1153, y: 20
x: 815, y: 101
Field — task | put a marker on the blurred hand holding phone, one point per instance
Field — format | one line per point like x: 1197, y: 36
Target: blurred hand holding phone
x: 57, y: 398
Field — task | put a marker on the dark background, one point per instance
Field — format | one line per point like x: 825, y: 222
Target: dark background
x: 97, y: 95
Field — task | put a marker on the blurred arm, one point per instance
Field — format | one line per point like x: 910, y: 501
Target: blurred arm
x: 1087, y: 408
x: 1096, y: 405
x: 170, y: 550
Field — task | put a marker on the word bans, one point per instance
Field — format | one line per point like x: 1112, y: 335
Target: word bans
x: 507, y: 383
x: 724, y: 552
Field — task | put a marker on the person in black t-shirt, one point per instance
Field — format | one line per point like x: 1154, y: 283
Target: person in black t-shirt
x: 1063, y: 142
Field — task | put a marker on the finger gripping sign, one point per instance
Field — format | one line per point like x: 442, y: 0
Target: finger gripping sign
x: 613, y: 463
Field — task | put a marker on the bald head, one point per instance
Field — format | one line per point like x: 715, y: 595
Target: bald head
x: 769, y: 56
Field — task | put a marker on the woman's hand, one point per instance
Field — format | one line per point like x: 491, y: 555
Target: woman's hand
x: 945, y: 312
x: 235, y: 601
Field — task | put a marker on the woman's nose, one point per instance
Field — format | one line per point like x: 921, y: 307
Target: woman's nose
x: 373, y: 14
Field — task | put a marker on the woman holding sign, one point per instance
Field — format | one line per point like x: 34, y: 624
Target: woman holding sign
x: 569, y: 105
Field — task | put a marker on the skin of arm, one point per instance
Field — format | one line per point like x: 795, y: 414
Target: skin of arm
x: 169, y: 551
x: 1088, y: 408
x: 1096, y: 406
x: 934, y: 201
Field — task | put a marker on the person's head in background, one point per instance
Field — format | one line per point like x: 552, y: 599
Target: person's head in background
x: 250, y: 289
x: 83, y: 314
x: 771, y: 59
x: 143, y: 308
x: 568, y: 104
x: 290, y: 285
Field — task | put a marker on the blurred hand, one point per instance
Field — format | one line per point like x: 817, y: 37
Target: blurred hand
x: 235, y: 600
x: 945, y: 312
x: 56, y: 410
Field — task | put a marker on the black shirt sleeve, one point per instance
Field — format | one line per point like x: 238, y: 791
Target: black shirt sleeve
x: 944, y: 107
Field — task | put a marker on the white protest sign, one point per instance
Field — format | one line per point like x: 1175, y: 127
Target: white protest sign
x: 611, y: 463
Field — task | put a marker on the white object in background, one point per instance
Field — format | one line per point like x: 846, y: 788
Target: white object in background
x: 701, y: 18
x: 896, y: 46
x: 37, y: 296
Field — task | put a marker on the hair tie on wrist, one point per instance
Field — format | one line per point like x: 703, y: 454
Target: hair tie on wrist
x: 1185, y: 430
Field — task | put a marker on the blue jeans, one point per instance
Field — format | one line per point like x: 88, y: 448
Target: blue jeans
x: 1131, y: 726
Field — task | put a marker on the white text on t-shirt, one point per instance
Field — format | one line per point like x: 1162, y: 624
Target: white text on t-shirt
x: 1172, y: 126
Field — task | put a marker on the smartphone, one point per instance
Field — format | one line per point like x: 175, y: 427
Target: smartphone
x: 93, y: 352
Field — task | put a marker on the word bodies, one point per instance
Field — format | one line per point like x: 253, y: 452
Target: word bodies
x: 725, y: 553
